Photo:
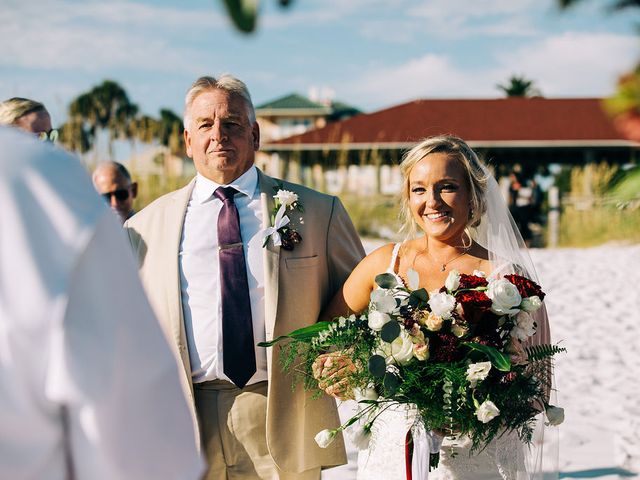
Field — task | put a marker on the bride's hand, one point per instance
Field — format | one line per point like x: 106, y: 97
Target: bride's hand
x: 331, y: 370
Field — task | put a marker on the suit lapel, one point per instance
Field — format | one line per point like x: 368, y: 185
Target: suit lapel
x: 173, y: 223
x: 271, y: 255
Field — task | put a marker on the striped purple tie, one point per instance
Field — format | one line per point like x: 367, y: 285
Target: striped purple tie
x: 237, y: 328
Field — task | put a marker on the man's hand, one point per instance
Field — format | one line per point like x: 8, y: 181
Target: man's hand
x: 331, y: 370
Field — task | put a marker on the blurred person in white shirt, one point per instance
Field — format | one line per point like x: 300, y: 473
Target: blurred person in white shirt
x: 88, y: 386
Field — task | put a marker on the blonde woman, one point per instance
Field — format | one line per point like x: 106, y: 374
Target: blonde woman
x: 454, y: 218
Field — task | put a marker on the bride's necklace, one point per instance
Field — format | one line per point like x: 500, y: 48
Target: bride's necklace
x: 444, y: 264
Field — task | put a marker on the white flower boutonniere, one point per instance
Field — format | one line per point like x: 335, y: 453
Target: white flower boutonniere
x: 281, y: 231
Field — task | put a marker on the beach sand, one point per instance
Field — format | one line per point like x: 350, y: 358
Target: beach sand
x: 593, y: 300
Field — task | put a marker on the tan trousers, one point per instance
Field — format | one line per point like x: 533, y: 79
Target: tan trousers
x: 233, y: 429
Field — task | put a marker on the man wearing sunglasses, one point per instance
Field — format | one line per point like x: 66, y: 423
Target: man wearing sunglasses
x: 113, y: 182
x: 28, y: 115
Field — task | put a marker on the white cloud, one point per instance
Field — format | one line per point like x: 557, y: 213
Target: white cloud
x: 427, y: 76
x: 94, y: 36
x: 575, y: 64
x: 567, y: 65
x: 444, y: 18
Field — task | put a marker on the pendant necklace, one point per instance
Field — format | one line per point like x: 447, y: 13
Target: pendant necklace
x: 444, y: 265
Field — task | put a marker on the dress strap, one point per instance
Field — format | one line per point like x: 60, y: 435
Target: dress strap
x: 394, y: 258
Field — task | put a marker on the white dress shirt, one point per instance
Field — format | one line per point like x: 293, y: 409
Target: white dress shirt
x: 200, y: 275
x: 77, y: 333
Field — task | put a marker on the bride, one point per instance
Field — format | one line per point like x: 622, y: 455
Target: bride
x: 454, y: 217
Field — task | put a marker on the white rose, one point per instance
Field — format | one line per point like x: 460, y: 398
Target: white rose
x: 400, y: 350
x: 416, y: 334
x: 434, y: 322
x: 459, y: 330
x: 453, y: 281
x: 487, y: 411
x: 442, y: 304
x: 325, y: 437
x: 476, y: 372
x: 383, y: 300
x: 531, y: 304
x: 555, y: 415
x: 377, y: 320
x: 524, y: 328
x: 504, y: 296
x: 365, y: 393
x: 359, y: 435
x: 421, y: 350
x: 286, y: 198
x: 479, y: 273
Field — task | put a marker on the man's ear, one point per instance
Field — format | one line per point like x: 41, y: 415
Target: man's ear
x: 134, y: 189
x: 187, y: 142
x: 255, y: 132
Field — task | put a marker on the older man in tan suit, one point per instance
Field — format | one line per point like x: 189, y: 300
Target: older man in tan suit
x: 219, y: 288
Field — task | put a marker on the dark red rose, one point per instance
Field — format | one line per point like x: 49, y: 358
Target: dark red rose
x: 526, y: 287
x: 443, y: 347
x: 472, y: 281
x: 474, y: 305
x: 474, y: 299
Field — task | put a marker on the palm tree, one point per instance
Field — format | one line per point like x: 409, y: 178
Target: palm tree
x: 519, y: 86
x: 170, y: 130
x: 74, y: 136
x: 106, y: 107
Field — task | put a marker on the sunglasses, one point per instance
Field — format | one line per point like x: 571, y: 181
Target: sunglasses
x: 50, y: 136
x: 121, y: 195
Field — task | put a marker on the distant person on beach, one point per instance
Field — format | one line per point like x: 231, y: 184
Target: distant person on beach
x: 113, y: 181
x: 28, y: 115
x: 520, y: 200
x: 89, y: 388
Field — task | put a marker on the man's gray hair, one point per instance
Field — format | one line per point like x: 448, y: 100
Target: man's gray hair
x: 225, y: 82
x: 13, y: 109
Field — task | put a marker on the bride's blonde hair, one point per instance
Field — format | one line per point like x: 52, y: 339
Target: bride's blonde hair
x: 456, y: 148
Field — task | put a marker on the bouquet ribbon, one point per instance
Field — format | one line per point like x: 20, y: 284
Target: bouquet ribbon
x: 426, y: 446
x: 280, y: 221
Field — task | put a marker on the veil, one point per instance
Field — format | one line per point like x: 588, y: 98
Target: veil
x: 498, y: 234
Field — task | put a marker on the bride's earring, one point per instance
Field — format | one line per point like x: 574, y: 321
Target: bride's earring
x: 464, y: 246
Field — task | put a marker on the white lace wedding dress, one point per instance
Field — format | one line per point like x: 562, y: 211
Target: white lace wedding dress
x: 385, y: 458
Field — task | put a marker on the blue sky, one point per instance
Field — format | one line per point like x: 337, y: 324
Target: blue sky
x: 369, y: 53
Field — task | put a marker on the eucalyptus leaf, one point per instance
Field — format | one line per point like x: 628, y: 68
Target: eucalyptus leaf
x: 414, y: 279
x: 377, y: 366
x: 421, y: 295
x: 390, y: 331
x: 386, y: 280
x: 498, y: 359
x: 391, y: 383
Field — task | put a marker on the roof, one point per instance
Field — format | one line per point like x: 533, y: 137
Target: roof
x: 481, y: 122
x: 291, y: 105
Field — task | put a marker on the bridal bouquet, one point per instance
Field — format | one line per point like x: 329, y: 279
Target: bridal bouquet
x: 457, y: 354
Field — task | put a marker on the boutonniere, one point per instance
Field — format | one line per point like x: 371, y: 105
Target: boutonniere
x: 281, y: 231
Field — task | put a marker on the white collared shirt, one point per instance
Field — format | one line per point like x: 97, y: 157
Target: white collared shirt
x: 200, y: 274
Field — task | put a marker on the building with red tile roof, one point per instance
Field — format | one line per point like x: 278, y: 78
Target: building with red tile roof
x: 527, y: 131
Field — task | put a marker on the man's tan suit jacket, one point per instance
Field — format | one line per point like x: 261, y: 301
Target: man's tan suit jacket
x: 298, y: 283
